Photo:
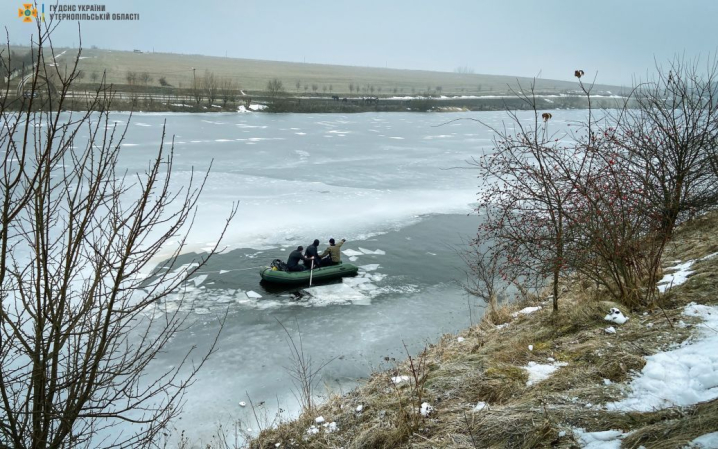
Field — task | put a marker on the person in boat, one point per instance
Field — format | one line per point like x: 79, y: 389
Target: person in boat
x: 294, y: 258
x: 332, y: 255
x: 313, y: 253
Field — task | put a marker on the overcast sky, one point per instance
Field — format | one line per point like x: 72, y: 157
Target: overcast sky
x: 617, y: 39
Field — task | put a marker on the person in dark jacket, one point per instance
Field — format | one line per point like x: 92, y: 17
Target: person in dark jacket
x: 294, y: 258
x: 312, y: 252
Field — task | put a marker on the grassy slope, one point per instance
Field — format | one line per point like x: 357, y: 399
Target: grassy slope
x: 253, y: 75
x: 486, y: 366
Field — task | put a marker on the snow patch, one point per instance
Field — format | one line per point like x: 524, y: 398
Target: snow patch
x: 608, y: 439
x: 526, y: 311
x: 538, y: 372
x: 615, y: 316
x: 399, y: 379
x: 680, y: 377
x: 707, y: 441
x: 480, y: 406
x: 679, y: 277
x: 426, y: 409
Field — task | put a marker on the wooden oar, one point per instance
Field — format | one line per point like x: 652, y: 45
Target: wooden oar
x: 311, y: 273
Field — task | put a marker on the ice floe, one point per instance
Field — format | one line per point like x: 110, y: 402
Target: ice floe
x: 368, y: 251
x: 351, y: 252
x: 369, y: 267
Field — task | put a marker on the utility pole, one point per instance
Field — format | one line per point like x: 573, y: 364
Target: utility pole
x: 194, y: 82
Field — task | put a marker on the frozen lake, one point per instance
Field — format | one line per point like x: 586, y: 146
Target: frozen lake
x: 397, y: 186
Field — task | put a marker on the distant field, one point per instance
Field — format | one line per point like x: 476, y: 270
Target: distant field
x: 252, y: 75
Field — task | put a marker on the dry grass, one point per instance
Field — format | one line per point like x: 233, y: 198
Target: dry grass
x: 487, y: 366
x: 252, y: 74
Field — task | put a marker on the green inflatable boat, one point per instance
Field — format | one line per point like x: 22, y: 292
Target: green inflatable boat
x: 302, y: 277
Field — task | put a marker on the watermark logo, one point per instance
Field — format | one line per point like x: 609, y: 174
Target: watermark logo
x: 28, y: 11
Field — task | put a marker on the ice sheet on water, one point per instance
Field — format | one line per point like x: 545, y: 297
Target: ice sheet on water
x: 351, y: 252
x: 335, y: 294
x: 368, y: 251
x: 369, y: 267
x: 198, y: 280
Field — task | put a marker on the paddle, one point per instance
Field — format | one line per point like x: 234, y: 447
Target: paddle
x: 311, y: 273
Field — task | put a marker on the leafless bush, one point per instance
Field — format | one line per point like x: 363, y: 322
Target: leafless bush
x: 669, y: 140
x: 228, y: 91
x: 210, y: 84
x: 78, y: 326
x: 303, y: 370
x: 409, y: 412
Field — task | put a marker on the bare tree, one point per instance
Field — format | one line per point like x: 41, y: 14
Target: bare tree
x: 314, y: 88
x: 670, y: 138
x: 351, y: 88
x: 210, y: 85
x: 524, y: 200
x: 94, y: 76
x: 131, y: 77
x: 466, y: 70
x: 487, y: 277
x: 77, y: 234
x: 298, y: 85
x: 145, y: 78
x: 228, y: 91
x: 275, y: 88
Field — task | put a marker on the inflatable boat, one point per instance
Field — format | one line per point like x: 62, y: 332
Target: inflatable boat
x: 275, y: 276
